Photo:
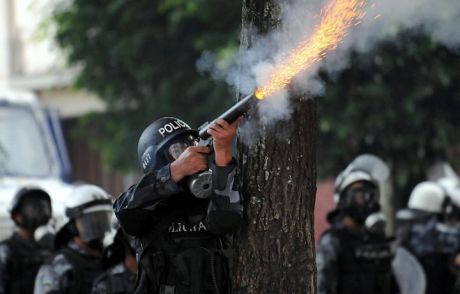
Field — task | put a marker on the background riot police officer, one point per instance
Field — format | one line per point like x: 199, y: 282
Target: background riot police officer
x: 119, y: 259
x: 79, y: 244
x: 430, y: 229
x: 352, y: 258
x: 178, y: 228
x: 20, y: 255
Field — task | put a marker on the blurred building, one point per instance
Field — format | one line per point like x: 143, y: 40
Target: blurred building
x: 29, y: 60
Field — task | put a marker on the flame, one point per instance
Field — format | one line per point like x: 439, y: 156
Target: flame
x: 336, y: 19
x: 259, y: 94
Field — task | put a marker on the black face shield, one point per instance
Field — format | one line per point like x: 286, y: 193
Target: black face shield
x: 35, y: 212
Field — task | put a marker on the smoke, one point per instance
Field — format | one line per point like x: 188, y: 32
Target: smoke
x: 383, y: 20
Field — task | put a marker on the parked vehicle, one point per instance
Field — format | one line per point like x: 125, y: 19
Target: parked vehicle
x: 32, y: 152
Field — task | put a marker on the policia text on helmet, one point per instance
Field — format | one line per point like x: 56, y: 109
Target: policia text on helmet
x: 164, y: 141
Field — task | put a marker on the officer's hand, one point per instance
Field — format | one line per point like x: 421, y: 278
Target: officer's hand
x: 193, y: 160
x: 457, y: 260
x: 223, y: 134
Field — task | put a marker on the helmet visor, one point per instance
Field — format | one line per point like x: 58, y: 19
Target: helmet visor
x: 93, y: 225
x: 178, y: 147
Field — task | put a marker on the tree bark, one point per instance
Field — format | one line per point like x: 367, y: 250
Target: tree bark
x: 274, y: 250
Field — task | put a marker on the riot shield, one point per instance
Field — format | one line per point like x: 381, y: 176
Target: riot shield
x: 408, y: 272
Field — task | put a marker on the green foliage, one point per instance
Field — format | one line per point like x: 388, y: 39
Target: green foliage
x: 401, y: 102
x: 139, y: 56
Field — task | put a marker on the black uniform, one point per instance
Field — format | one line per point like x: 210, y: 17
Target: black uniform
x: 69, y: 270
x: 357, y: 262
x: 435, y: 245
x: 116, y: 280
x: 19, y: 263
x: 178, y: 236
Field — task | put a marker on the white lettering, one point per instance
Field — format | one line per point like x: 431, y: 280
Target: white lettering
x: 182, y: 124
x: 202, y: 227
x: 146, y: 160
x: 172, y: 126
x: 179, y: 227
x: 175, y: 125
x: 168, y: 128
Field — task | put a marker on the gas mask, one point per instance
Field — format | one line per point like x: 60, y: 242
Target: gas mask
x: 200, y: 184
x: 376, y: 223
x: 360, y: 202
x: 451, y: 214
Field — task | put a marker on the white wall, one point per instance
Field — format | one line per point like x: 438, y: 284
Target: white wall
x: 5, y: 66
x: 30, y: 60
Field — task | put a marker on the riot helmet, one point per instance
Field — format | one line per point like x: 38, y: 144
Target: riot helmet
x: 32, y: 206
x: 358, y: 187
x: 89, y: 209
x: 427, y: 197
x: 163, y: 141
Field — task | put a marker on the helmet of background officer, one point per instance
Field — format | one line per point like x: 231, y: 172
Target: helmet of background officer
x: 31, y: 208
x: 163, y: 141
x: 89, y: 210
x: 357, y: 188
x: 427, y: 197
x: 359, y: 197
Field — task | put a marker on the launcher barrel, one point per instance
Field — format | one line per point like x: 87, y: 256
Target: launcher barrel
x: 230, y: 115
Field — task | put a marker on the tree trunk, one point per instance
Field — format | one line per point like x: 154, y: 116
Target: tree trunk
x: 274, y: 250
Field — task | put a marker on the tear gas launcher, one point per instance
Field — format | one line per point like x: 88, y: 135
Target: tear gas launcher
x: 200, y: 184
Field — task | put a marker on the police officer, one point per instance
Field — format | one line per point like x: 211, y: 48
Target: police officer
x: 433, y: 234
x: 20, y: 255
x: 352, y: 258
x: 417, y: 223
x: 451, y: 186
x: 79, y: 244
x: 120, y: 260
x: 181, y: 208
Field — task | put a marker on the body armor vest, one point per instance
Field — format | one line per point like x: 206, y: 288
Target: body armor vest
x: 434, y: 250
x: 439, y: 276
x: 364, y: 263
x: 26, y: 259
x: 85, y: 268
x: 116, y: 280
x: 182, y: 257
